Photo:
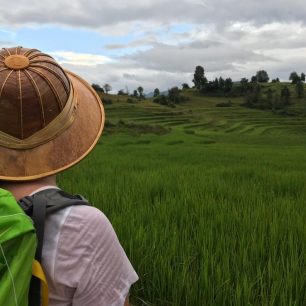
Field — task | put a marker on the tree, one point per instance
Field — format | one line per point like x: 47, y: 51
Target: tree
x: 221, y: 83
x: 135, y: 93
x: 253, y: 79
x: 107, y: 88
x: 228, y: 85
x: 156, y: 92
x: 140, y: 90
x: 294, y: 77
x: 303, y: 76
x: 216, y: 84
x: 244, y: 85
x: 121, y: 93
x: 299, y: 88
x: 161, y: 100
x: 185, y: 86
x: 199, y: 78
x: 209, y: 87
x: 97, y: 87
x: 174, y: 95
x: 262, y: 76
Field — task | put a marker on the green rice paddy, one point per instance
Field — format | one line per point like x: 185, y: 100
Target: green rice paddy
x: 208, y: 202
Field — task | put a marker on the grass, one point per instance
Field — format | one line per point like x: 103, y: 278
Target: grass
x: 210, y: 213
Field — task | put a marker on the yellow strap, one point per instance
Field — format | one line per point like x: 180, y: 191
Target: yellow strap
x: 38, y: 272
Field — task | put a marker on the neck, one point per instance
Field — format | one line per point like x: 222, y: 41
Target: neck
x: 22, y: 189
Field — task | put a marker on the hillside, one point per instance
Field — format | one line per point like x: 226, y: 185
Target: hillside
x: 201, y: 116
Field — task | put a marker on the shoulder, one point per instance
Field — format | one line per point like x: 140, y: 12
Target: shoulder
x: 85, y: 233
x: 89, y: 223
x: 88, y: 214
x: 90, y: 258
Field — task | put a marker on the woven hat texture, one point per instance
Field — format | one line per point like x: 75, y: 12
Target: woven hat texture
x: 50, y: 119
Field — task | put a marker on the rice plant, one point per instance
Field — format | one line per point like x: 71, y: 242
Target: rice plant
x: 213, y: 217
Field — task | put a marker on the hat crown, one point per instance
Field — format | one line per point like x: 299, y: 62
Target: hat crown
x: 34, y: 90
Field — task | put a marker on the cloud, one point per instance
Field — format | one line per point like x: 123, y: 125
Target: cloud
x: 178, y: 59
x: 80, y: 59
x: 237, y: 51
x: 97, y: 14
x: 124, y: 74
x: 159, y: 43
x: 147, y: 41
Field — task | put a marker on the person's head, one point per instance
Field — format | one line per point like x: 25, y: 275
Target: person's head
x: 50, y: 119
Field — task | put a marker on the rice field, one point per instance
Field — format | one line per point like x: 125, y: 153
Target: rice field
x: 209, y: 203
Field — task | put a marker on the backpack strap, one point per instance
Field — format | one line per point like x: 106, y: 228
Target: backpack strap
x: 39, y: 216
x: 38, y: 207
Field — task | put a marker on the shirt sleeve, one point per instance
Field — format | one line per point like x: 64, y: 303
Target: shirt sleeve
x: 92, y: 260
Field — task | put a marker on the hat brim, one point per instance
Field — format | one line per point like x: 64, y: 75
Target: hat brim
x: 67, y: 149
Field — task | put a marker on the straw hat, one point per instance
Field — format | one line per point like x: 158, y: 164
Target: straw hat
x: 50, y: 119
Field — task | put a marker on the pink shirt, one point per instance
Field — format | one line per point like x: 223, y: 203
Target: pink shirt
x: 84, y: 262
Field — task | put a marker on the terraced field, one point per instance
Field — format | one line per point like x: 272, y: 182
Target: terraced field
x: 208, y: 202
x: 202, y: 116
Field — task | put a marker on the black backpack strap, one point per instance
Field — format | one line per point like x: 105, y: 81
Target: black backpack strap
x: 62, y: 199
x: 56, y: 199
x: 39, y: 216
x: 39, y: 211
x: 38, y: 207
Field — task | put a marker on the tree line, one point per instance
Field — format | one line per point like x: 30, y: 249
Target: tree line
x: 255, y: 95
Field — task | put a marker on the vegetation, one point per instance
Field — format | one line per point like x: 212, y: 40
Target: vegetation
x: 121, y: 92
x: 97, y: 87
x: 173, y: 98
x: 295, y: 78
x: 199, y: 78
x: 257, y: 93
x: 140, y: 90
x: 107, y: 88
x: 156, y: 92
x: 262, y: 76
x: 208, y: 202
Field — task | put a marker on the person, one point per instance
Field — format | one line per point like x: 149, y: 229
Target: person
x: 50, y: 119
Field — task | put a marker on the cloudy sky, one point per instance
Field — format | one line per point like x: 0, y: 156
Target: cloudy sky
x: 157, y: 43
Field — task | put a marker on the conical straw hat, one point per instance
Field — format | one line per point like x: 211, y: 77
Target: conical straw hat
x: 50, y: 119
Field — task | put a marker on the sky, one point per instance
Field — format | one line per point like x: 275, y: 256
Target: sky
x: 158, y: 44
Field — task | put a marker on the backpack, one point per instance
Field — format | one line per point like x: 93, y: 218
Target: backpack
x: 22, y: 278
x: 17, y: 250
